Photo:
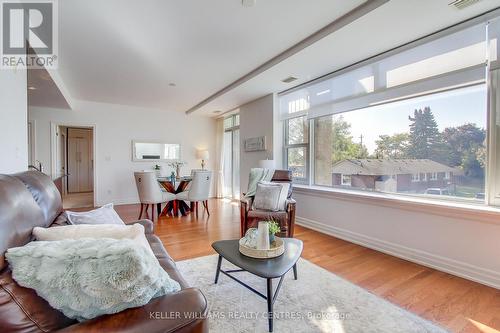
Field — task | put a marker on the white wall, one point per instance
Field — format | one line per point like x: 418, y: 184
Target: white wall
x: 256, y: 119
x: 13, y: 121
x: 464, y: 247
x: 116, y: 127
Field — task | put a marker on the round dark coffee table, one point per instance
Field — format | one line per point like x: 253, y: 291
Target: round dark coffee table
x: 268, y: 269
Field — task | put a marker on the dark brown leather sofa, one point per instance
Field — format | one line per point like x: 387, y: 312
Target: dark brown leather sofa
x: 30, y: 199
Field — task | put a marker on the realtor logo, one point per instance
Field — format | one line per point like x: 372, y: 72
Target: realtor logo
x: 29, y: 34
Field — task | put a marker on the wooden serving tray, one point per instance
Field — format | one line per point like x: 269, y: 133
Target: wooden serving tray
x: 277, y: 249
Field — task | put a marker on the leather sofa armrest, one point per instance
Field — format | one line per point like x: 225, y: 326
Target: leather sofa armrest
x: 183, y: 311
x: 147, y: 224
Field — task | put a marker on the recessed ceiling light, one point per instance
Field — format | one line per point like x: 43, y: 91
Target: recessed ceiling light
x: 323, y: 92
x: 172, y: 84
x: 31, y: 88
x: 289, y: 79
x: 248, y: 3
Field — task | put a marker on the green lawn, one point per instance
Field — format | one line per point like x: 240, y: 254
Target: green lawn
x: 468, y: 191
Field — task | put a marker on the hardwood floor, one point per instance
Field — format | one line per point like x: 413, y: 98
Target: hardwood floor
x: 454, y: 303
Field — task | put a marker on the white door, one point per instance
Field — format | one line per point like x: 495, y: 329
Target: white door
x: 80, y: 164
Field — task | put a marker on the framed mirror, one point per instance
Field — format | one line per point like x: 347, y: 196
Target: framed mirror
x: 155, y: 151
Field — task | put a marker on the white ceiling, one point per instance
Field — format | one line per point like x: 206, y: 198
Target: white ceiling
x: 391, y: 25
x: 129, y: 51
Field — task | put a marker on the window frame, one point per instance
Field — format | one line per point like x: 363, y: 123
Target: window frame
x: 306, y: 146
x: 343, y: 183
x: 421, y: 177
x: 234, y: 124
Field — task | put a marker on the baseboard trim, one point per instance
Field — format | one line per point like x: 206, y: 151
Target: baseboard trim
x: 451, y: 266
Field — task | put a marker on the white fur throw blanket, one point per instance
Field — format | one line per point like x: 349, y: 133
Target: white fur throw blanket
x: 88, y: 277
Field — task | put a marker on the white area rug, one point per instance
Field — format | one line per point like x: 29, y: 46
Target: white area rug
x: 318, y: 301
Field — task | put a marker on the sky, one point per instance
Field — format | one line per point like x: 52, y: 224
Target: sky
x: 450, y: 109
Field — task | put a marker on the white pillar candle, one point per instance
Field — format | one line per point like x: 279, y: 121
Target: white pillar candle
x: 263, y: 236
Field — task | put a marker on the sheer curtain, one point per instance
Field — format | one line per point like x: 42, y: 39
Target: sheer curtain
x: 219, y: 159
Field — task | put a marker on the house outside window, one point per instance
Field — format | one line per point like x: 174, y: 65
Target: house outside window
x: 415, y: 177
x: 434, y: 176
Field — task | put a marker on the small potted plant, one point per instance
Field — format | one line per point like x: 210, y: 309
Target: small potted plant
x: 274, y: 228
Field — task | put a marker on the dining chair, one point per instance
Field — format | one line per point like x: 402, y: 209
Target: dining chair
x: 150, y: 192
x: 199, y: 190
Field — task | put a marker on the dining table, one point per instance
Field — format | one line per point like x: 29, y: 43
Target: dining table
x: 174, y: 207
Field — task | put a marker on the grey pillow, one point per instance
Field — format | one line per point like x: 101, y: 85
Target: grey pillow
x: 270, y: 196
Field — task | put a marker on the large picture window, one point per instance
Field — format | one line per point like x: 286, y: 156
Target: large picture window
x: 412, y: 123
x: 433, y: 144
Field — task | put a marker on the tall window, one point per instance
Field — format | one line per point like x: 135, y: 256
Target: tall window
x: 232, y: 157
x: 297, y: 147
x: 413, y: 123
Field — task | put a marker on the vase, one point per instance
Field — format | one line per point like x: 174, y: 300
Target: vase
x: 178, y: 171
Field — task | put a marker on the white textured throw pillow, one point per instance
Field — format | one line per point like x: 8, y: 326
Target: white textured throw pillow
x: 134, y: 232
x: 104, y: 215
x: 90, y: 277
x: 271, y: 196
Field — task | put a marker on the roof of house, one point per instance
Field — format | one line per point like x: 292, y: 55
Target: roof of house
x: 379, y: 167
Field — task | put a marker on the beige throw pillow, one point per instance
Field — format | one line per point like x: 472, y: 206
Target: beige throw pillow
x: 271, y: 196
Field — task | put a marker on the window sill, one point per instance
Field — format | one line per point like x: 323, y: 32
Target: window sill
x: 468, y: 211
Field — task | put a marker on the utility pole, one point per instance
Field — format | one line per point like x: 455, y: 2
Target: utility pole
x: 360, y: 146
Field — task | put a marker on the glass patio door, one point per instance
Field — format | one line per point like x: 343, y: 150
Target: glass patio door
x: 232, y: 157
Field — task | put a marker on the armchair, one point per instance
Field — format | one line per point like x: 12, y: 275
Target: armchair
x: 250, y: 217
